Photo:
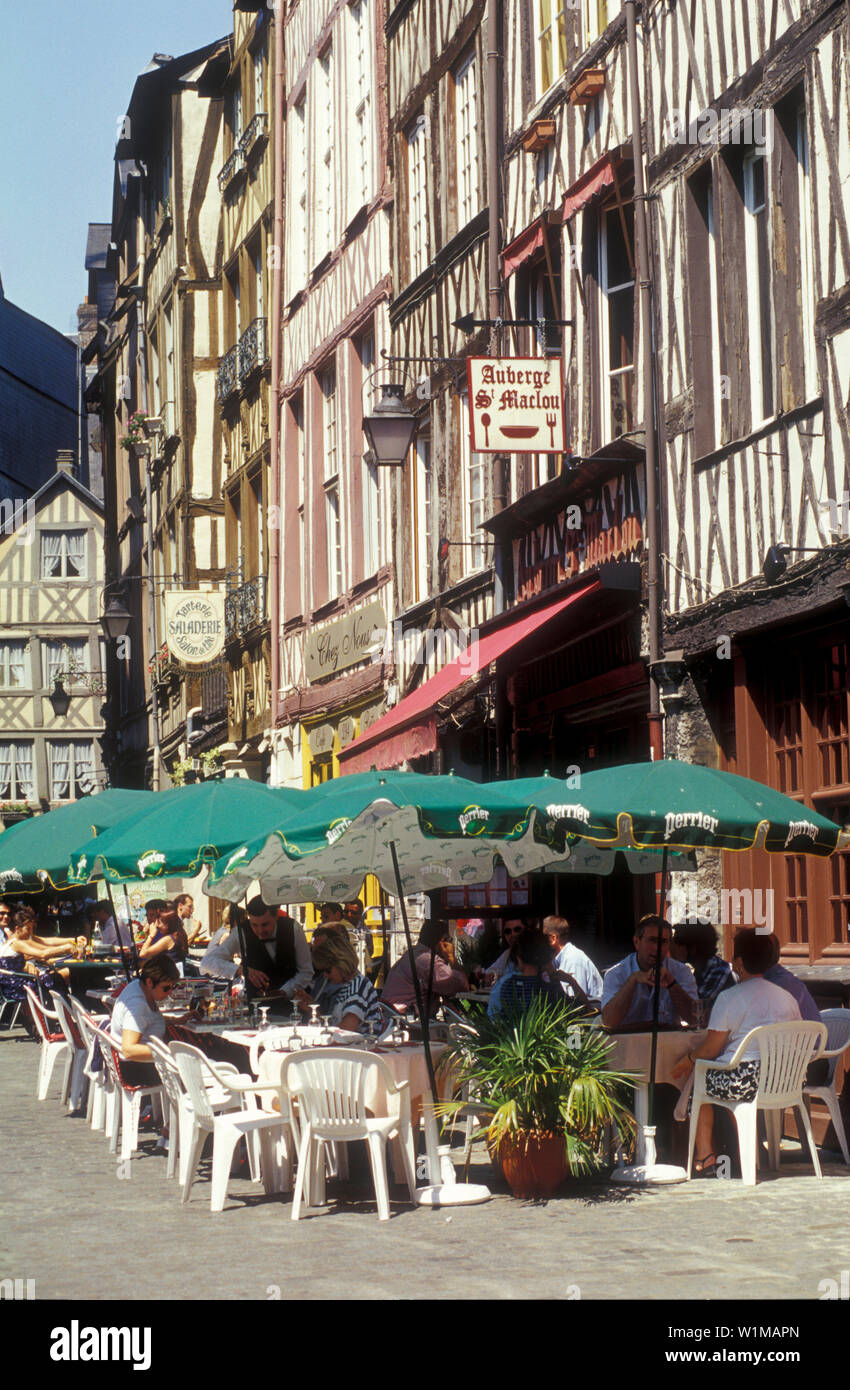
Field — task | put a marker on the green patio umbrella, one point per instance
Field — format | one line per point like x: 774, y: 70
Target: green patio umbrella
x: 446, y: 831
x: 36, y: 852
x: 182, y: 830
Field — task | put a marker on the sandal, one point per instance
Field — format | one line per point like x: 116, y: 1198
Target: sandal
x: 706, y: 1167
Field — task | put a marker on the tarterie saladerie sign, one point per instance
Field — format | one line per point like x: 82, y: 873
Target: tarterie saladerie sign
x: 194, y: 625
x: 516, y: 405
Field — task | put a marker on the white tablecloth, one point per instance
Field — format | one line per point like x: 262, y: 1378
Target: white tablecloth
x: 632, y: 1052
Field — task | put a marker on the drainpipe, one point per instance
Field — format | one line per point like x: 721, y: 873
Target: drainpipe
x: 157, y: 755
x: 275, y: 490
x: 494, y: 308
x: 653, y: 570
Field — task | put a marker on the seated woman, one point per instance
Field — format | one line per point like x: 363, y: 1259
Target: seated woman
x: 136, y: 1019
x: 216, y: 963
x: 752, y: 1003
x: 354, y: 1005
x: 167, y: 937
x: 432, y: 968
x: 26, y: 951
x: 531, y: 979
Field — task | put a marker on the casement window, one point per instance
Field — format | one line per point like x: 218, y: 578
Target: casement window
x: 297, y: 409
x: 324, y: 163
x: 63, y: 555
x: 473, y: 470
x: 808, y: 289
x: 361, y: 88
x: 466, y: 140
x: 297, y: 240
x: 550, y: 20
x: 68, y: 656
x: 330, y: 461
x: 757, y: 250
x: 14, y: 665
x: 17, y: 780
x: 236, y: 112
x: 616, y: 321
x: 421, y: 519
x: 596, y: 16
x: 703, y: 291
x: 168, y: 405
x: 70, y: 767
x: 259, y: 58
x: 419, y: 236
x: 370, y: 478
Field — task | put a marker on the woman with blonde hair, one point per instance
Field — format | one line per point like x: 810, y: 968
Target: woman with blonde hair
x: 355, y: 1003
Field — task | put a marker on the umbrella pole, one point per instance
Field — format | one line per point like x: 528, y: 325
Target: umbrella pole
x: 656, y: 1000
x: 117, y: 929
x: 133, y: 946
x: 385, y: 960
x: 442, y: 1190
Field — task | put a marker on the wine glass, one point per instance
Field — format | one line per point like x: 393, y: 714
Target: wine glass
x: 314, y: 1015
x: 326, y: 1036
x: 296, y: 1014
x: 264, y: 1019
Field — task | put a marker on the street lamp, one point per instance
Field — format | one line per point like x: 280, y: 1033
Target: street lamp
x: 775, y: 562
x: 116, y: 620
x: 59, y: 699
x: 390, y: 429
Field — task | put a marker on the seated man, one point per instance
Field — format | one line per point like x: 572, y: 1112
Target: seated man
x: 275, y: 958
x: 628, y: 988
x: 432, y: 968
x: 695, y: 943
x: 752, y: 1003
x: 579, y: 977
x: 777, y: 974
x: 507, y: 960
x: 530, y: 980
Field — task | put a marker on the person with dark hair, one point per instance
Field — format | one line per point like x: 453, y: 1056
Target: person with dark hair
x: 696, y: 944
x: 276, y: 957
x: 27, y: 951
x: 532, y: 978
x: 506, y: 962
x: 330, y: 912
x: 212, y: 963
x: 432, y: 968
x: 777, y: 974
x: 578, y: 975
x: 628, y: 988
x: 184, y: 906
x: 136, y: 1018
x: 750, y: 1004
x: 168, y: 937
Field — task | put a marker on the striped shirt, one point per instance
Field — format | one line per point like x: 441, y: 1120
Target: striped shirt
x: 358, y: 996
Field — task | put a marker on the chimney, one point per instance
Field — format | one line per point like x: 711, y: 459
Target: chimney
x: 65, y: 461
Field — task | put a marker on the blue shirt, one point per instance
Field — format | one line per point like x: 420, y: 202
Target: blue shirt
x: 640, y: 1009
x: 778, y: 975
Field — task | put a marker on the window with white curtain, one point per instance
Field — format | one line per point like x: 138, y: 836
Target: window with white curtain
x: 68, y: 655
x: 13, y: 665
x: 361, y: 87
x: 63, y: 555
x: 330, y: 457
x: 296, y: 195
x: 417, y: 197
x: 473, y: 476
x: 70, y: 766
x: 16, y: 772
x: 420, y: 509
x: 324, y: 164
x: 466, y: 140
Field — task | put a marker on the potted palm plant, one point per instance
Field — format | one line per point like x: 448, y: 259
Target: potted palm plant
x: 541, y: 1076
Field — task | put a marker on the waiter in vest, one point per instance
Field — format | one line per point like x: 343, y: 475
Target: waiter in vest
x: 275, y: 956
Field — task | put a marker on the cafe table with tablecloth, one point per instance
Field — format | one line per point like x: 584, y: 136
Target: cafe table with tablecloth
x: 632, y: 1052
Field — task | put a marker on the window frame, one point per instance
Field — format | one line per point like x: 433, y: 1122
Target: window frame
x: 63, y: 577
x: 418, y: 216
x: 605, y: 292
x: 551, y: 36
x: 467, y: 199
x: 761, y: 329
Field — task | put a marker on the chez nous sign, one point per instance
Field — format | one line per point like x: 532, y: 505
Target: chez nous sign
x: 344, y: 643
x: 516, y: 405
x: 605, y: 524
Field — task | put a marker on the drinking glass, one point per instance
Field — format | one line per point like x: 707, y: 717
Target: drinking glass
x: 326, y: 1036
x: 264, y: 1019
x: 296, y: 1014
x: 314, y: 1015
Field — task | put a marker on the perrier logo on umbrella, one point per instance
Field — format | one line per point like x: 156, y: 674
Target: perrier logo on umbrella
x: 151, y: 864
x: 337, y: 828
x: 473, y: 820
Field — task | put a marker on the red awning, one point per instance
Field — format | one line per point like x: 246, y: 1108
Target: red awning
x: 598, y: 178
x: 410, y: 729
x: 523, y: 247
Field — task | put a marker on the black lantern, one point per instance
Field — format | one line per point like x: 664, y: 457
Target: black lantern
x: 59, y: 699
x: 391, y: 428
x: 116, y: 620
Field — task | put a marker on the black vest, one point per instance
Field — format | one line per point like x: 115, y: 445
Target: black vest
x: 279, y: 969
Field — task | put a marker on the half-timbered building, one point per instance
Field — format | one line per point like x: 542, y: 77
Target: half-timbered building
x: 51, y: 580
x: 337, y: 591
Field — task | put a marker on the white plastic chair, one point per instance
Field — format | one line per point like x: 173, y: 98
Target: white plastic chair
x: 837, y: 1041
x: 227, y: 1127
x: 54, y: 1045
x: 785, y: 1051
x: 100, y: 1080
x: 329, y: 1085
x: 179, y: 1118
x: 68, y: 1024
x: 271, y: 1038
x: 125, y: 1111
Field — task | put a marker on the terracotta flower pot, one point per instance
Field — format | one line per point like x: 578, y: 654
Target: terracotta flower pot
x: 534, y: 1162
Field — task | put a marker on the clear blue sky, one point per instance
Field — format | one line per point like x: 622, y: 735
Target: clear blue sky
x: 67, y: 69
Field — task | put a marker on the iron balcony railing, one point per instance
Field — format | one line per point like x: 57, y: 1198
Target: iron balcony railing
x: 228, y: 374
x: 252, y: 348
x: 234, y: 166
x: 256, y: 130
x: 245, y: 607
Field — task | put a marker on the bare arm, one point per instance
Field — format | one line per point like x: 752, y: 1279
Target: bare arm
x: 710, y: 1048
x: 147, y: 951
x: 133, y: 1049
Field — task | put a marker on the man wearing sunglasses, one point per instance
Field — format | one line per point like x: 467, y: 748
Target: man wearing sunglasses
x: 136, y: 1018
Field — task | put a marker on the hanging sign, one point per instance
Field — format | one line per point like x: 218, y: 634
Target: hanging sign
x: 516, y: 405
x: 194, y: 625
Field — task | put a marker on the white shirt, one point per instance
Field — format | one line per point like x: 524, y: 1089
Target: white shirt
x: 748, y: 1006
x: 219, y: 960
x: 640, y: 1009
x: 574, y: 962
x: 109, y: 933
x: 132, y: 1010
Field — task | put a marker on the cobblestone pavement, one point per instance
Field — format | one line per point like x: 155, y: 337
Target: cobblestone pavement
x: 68, y: 1223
